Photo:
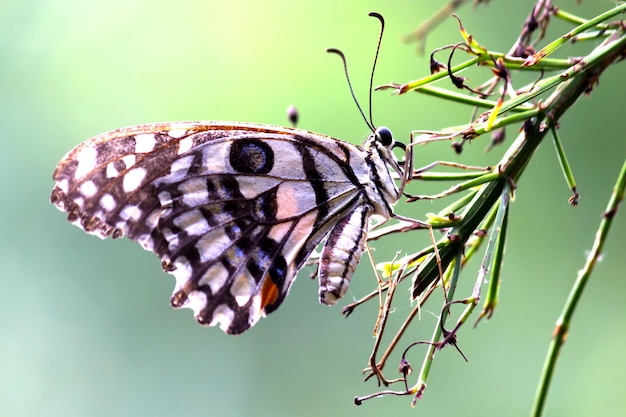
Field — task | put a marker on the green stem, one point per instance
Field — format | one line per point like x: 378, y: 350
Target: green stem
x: 420, y: 386
x: 553, y: 46
x: 564, y: 321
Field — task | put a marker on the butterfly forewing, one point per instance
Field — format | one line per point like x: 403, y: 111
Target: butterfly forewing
x: 232, y: 209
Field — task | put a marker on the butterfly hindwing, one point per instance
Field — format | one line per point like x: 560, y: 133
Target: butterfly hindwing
x: 232, y: 209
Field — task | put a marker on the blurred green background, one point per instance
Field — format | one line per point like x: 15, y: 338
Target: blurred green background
x: 86, y: 325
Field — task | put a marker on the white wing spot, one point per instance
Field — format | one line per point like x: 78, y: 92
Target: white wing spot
x: 181, y: 164
x: 242, y: 288
x: 80, y: 202
x: 107, y: 202
x: 112, y: 172
x: 132, y: 213
x: 129, y: 160
x: 223, y: 316
x: 192, y: 222
x: 177, y: 132
x: 165, y: 199
x: 184, y: 145
x: 179, y: 129
x: 182, y: 272
x: 215, y: 277
x: 196, y: 300
x: 145, y: 143
x: 63, y: 185
x: 213, y: 244
x: 88, y: 189
x: 153, y: 218
x: 171, y: 237
x: 122, y: 226
x: 87, y: 159
x: 194, y: 192
x: 133, y: 178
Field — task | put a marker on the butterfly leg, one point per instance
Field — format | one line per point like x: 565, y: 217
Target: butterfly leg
x: 341, y: 253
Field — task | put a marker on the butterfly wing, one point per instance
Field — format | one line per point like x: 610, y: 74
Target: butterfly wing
x: 232, y: 209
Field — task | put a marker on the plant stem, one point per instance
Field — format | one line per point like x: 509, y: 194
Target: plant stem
x: 563, y: 323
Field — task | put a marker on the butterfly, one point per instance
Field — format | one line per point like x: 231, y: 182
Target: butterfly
x: 233, y: 210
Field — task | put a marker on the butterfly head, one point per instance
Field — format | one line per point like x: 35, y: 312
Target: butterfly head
x: 384, y: 136
x: 384, y: 163
x: 383, y: 140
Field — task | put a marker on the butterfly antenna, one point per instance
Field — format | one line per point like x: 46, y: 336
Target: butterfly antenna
x: 345, y: 69
x: 380, y: 39
x: 370, y: 122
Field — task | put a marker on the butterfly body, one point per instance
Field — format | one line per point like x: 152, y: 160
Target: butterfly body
x: 232, y: 209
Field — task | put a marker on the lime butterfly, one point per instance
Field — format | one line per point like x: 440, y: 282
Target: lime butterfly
x: 233, y: 210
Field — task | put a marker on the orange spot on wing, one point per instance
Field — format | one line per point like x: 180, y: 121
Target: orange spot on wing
x: 269, y: 292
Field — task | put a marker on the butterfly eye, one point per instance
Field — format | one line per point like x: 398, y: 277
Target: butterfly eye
x: 384, y: 136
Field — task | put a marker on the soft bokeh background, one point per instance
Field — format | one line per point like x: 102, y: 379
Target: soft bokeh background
x: 86, y: 325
